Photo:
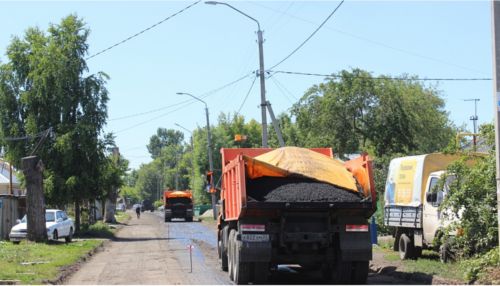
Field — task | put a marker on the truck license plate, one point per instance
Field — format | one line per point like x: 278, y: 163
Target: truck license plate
x: 255, y: 237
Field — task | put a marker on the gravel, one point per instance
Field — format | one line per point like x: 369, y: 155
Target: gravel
x: 275, y: 189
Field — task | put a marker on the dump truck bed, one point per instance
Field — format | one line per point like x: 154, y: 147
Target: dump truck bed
x: 270, y: 196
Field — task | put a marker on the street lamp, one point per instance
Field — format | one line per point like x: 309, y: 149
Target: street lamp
x: 192, y: 155
x: 210, y: 160
x: 263, y: 102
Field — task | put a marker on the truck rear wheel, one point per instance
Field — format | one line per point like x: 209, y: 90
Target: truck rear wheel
x: 260, y: 272
x: 241, y: 269
x: 189, y: 219
x: 343, y: 271
x: 359, y: 272
x: 222, y: 254
x: 406, y: 248
x: 230, y: 252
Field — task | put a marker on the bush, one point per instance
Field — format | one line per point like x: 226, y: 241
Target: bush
x: 158, y: 204
x: 97, y: 230
x: 472, y: 198
x: 473, y: 268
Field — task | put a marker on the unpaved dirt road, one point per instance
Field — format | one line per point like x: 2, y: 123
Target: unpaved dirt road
x: 149, y: 251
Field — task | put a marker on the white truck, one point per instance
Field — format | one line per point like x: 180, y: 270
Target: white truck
x: 412, y: 203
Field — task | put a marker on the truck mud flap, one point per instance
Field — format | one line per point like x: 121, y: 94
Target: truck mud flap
x: 354, y: 245
x: 255, y: 251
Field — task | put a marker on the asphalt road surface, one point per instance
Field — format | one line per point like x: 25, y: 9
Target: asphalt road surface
x: 150, y: 251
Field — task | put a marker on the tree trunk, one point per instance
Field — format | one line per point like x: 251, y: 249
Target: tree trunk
x: 110, y: 206
x: 77, y: 216
x: 35, y: 201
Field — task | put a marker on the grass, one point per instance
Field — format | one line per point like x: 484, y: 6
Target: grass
x: 44, y: 260
x: 101, y: 229
x: 481, y: 269
x: 122, y: 217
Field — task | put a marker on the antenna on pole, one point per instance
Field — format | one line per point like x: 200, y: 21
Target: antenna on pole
x: 474, y: 119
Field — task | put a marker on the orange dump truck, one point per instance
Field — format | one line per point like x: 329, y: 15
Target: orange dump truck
x: 178, y: 204
x: 295, y: 206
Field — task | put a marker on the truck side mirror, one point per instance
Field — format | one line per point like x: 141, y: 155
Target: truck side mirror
x: 431, y: 197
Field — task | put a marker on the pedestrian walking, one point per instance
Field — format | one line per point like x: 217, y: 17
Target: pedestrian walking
x: 137, y: 208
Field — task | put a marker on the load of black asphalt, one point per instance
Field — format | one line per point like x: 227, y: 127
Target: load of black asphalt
x: 290, y: 189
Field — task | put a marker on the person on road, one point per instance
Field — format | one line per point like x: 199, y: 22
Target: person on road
x: 138, y: 210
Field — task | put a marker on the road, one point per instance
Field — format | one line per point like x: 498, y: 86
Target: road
x: 149, y: 251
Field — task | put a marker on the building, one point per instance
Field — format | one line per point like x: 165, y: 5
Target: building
x: 12, y: 198
x: 8, y: 174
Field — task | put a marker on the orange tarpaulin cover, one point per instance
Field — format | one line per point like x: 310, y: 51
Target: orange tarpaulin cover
x: 293, y: 161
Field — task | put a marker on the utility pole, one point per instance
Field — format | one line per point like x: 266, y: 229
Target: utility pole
x: 209, y: 143
x: 474, y: 120
x: 263, y: 102
x: 260, y: 41
x: 495, y: 9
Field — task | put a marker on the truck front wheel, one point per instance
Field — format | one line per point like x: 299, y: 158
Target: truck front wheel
x: 406, y: 248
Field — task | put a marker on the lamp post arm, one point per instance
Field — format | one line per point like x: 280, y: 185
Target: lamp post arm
x: 243, y: 13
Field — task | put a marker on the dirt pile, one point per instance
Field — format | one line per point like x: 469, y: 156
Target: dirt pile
x: 274, y: 189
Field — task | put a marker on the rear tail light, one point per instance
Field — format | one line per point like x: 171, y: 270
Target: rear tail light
x: 253, y: 227
x: 356, y: 228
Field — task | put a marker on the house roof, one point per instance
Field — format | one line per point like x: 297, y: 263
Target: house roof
x: 5, y: 174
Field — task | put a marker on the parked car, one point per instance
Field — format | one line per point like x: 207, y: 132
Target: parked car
x: 58, y: 225
x: 120, y: 207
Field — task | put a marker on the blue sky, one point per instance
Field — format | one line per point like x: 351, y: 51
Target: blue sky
x: 209, y: 46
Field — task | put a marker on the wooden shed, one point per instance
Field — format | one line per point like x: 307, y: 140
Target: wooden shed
x: 11, y: 209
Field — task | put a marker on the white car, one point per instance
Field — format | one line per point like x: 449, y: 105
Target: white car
x: 58, y: 225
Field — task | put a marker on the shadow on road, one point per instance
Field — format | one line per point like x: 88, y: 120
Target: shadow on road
x: 131, y: 239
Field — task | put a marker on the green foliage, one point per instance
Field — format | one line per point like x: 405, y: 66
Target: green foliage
x: 97, y: 230
x: 472, y: 198
x: 131, y: 193
x: 163, y: 138
x: 476, y: 268
x: 158, y: 203
x: 356, y: 112
x: 45, y: 84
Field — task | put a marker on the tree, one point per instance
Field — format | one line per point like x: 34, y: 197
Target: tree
x: 112, y: 174
x: 163, y: 137
x: 45, y: 84
x: 353, y: 111
x: 472, y: 198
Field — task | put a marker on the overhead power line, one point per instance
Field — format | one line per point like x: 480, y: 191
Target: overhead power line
x: 382, y: 77
x: 374, y: 42
x: 208, y: 93
x: 141, y: 32
x: 310, y: 36
x: 154, y: 118
x: 183, y: 105
x: 246, y: 96
x: 149, y: 111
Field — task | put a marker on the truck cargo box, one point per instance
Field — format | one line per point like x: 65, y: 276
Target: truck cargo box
x: 285, y: 181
